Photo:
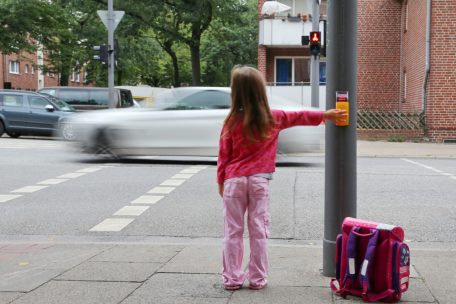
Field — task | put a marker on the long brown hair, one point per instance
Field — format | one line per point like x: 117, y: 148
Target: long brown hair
x: 249, y: 102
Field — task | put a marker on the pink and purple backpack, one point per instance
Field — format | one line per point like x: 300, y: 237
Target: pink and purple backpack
x: 372, y: 261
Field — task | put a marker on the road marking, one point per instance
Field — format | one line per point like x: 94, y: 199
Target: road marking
x: 182, y: 176
x: 191, y: 170
x: 53, y: 181
x: 113, y: 224
x: 72, y: 175
x: 8, y: 197
x: 131, y: 210
x: 117, y: 224
x: 161, y: 190
x: 452, y: 176
x: 89, y: 170
x: 173, y: 182
x: 28, y: 189
x: 147, y: 199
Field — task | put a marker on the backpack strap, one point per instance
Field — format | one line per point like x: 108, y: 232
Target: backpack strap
x: 365, y: 271
x: 367, y: 263
x: 351, y: 253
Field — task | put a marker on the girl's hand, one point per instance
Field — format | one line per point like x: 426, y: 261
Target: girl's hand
x: 334, y: 114
x: 220, y: 190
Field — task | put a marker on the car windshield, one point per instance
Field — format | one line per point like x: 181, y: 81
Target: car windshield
x: 193, y: 99
x: 61, y: 105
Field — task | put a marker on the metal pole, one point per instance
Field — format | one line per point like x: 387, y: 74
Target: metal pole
x: 111, y: 63
x: 340, y: 156
x: 315, y: 60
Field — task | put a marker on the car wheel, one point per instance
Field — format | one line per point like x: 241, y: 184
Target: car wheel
x: 13, y: 134
x: 103, y: 147
x: 2, y: 129
x: 67, y: 131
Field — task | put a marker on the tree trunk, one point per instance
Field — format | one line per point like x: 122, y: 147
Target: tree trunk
x: 64, y: 77
x: 196, y: 67
x: 167, y: 46
x: 119, y: 76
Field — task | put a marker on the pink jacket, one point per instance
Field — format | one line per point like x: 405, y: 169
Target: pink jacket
x: 237, y: 158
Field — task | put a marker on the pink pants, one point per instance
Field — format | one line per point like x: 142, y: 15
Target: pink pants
x: 240, y: 194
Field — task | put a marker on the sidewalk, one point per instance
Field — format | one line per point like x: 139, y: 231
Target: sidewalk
x: 405, y: 149
x: 170, y: 270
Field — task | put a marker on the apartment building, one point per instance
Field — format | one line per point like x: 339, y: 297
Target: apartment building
x: 406, y: 63
x: 21, y: 72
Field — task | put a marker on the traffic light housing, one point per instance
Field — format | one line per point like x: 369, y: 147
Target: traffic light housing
x: 101, y: 53
x: 315, y: 43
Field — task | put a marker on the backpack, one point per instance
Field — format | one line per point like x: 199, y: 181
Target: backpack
x: 372, y: 261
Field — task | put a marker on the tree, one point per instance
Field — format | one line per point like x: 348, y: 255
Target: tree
x: 24, y: 23
x: 231, y: 39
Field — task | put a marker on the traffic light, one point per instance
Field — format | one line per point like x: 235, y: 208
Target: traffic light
x: 315, y: 43
x: 101, y: 53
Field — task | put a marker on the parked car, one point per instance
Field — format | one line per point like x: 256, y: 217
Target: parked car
x: 29, y: 113
x: 91, y: 98
x: 184, y: 122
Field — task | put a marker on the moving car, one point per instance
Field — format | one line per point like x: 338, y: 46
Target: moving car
x: 184, y: 122
x: 91, y: 98
x: 29, y: 113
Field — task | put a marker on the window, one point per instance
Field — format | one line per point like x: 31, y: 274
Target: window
x: 211, y: 99
x: 26, y: 69
x: 296, y: 71
x: 33, y: 70
x: 12, y: 100
x: 126, y: 100
x: 74, y: 97
x: 38, y: 102
x: 99, y: 97
x: 14, y: 67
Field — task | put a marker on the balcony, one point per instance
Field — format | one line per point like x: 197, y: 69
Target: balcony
x: 285, y: 31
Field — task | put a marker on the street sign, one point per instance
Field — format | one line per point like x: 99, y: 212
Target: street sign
x: 117, y: 17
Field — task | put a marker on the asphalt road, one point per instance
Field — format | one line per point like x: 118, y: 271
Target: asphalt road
x: 49, y: 192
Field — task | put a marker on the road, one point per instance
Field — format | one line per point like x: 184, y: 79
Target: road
x: 48, y: 192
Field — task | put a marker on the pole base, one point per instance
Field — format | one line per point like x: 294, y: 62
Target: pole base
x: 329, y: 260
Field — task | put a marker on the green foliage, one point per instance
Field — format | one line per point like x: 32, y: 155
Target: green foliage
x: 231, y: 40
x: 161, y: 43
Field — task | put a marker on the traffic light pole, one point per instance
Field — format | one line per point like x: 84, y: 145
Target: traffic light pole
x: 340, y: 156
x: 315, y: 60
x: 111, y: 63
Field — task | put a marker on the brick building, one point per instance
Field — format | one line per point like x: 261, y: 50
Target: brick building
x: 406, y: 62
x: 21, y: 72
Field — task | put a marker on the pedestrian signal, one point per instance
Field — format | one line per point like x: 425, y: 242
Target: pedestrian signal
x: 315, y: 43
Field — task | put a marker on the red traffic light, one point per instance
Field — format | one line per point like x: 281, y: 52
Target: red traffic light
x: 315, y: 43
x: 315, y: 37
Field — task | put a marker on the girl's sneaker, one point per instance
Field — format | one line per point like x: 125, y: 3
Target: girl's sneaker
x: 257, y: 286
x: 233, y: 287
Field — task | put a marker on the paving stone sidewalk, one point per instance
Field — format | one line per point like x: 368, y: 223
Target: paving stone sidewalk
x: 189, y: 272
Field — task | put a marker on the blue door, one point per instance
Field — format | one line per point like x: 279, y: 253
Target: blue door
x: 283, y: 73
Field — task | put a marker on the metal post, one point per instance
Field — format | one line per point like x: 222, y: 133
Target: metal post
x: 315, y: 60
x: 111, y: 63
x: 340, y: 156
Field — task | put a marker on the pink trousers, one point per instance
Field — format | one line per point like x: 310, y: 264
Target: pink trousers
x: 243, y: 194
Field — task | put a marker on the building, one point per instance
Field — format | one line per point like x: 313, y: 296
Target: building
x: 406, y: 63
x: 21, y: 72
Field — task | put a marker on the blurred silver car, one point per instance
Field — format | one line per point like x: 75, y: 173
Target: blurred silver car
x: 184, y: 122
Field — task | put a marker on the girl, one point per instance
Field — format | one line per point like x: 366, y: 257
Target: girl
x: 246, y: 161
